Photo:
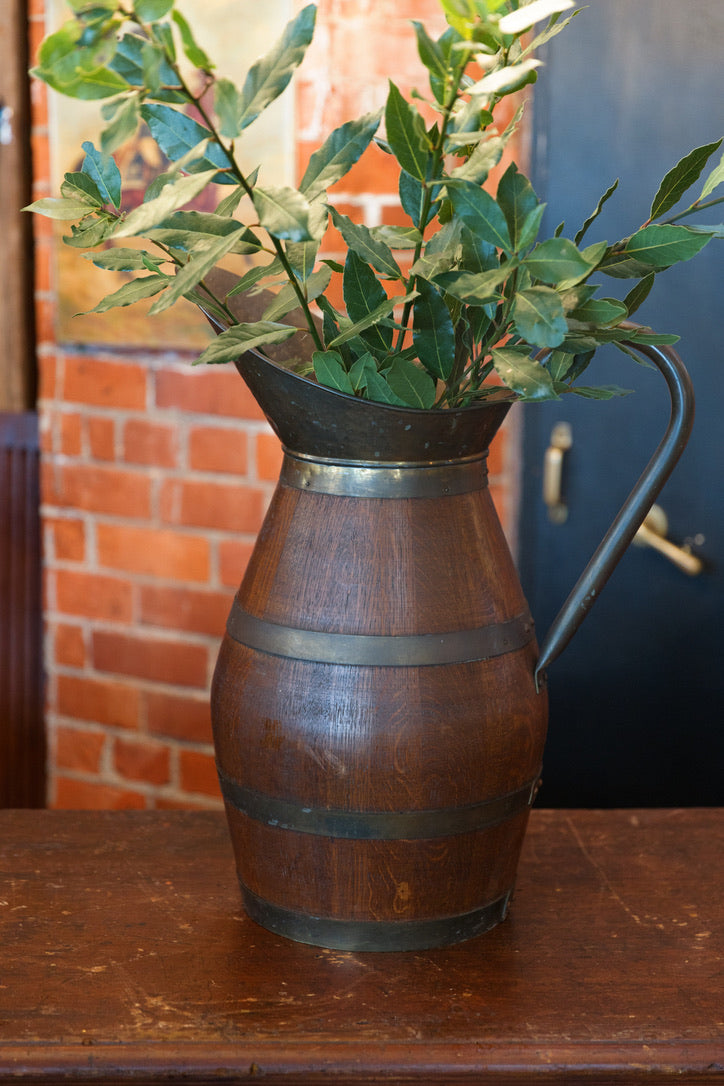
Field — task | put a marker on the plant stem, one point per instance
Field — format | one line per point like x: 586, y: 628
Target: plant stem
x: 197, y: 101
x: 693, y: 210
x: 435, y: 161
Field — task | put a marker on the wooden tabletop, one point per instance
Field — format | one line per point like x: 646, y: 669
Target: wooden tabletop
x: 125, y: 957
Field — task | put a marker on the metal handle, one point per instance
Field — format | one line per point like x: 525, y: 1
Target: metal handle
x: 634, y: 509
x: 560, y: 443
x: 653, y: 532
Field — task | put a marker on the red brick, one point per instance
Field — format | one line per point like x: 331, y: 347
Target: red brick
x: 212, y: 505
x: 167, y: 554
x: 217, y: 391
x: 268, y: 456
x: 70, y: 434
x: 158, y: 660
x: 185, y: 609
x: 79, y: 750
x: 101, y: 700
x: 94, y: 595
x: 47, y: 376
x: 102, y: 438
x: 179, y: 717
x: 68, y: 538
x: 198, y: 772
x: 94, y: 796
x: 214, y: 448
x: 149, y: 443
x: 68, y: 645
x: 234, y: 557
x: 142, y: 760
x: 105, y: 384
x: 97, y: 489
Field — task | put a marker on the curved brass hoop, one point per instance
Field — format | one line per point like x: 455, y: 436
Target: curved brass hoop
x: 376, y: 825
x: 369, y: 480
x: 379, y: 650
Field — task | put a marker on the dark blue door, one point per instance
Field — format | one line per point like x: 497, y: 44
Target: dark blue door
x: 637, y: 699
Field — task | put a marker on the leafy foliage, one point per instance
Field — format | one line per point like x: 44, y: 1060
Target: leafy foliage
x: 437, y: 312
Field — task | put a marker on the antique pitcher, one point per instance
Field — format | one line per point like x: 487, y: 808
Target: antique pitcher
x: 379, y: 703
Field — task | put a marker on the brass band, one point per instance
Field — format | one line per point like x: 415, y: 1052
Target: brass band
x: 376, y: 825
x: 379, y: 650
x: 369, y: 480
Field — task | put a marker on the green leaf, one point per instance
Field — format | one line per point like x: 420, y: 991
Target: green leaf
x: 539, y: 318
x: 173, y: 196
x: 270, y: 75
x: 433, y: 334
x: 517, y: 200
x: 475, y: 288
x: 132, y: 292
x: 413, y: 386
x: 287, y: 299
x: 79, y: 186
x: 600, y: 311
x: 505, y: 80
x: 194, y: 53
x: 351, y: 331
x: 284, y: 212
x: 638, y: 295
x: 681, y: 177
x: 599, y: 392
x: 329, y: 370
x: 55, y: 207
x: 661, y: 246
x: 204, y: 256
x: 122, y: 126
x: 150, y: 11
x: 227, y: 103
x: 130, y: 63
x: 526, y: 17
x: 378, y: 389
x: 654, y: 339
x: 597, y: 211
x: 556, y: 261
x: 178, y: 135
x: 714, y: 179
x: 232, y: 343
x: 118, y: 259
x: 74, y: 60
x: 397, y: 237
x: 363, y: 293
x: 90, y: 232
x: 523, y: 375
x: 183, y: 229
x: 620, y: 265
x: 406, y: 134
x: 103, y: 170
x: 361, y: 371
x: 479, y: 211
x: 338, y: 154
x: 433, y: 57
x: 369, y: 248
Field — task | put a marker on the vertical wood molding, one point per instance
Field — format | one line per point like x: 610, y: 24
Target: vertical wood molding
x: 17, y: 368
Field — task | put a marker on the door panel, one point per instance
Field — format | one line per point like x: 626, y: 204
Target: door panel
x: 637, y: 699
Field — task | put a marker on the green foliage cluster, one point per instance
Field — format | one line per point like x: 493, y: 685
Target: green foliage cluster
x: 478, y: 290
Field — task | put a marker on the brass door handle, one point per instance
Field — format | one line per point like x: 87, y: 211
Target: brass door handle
x: 652, y: 533
x: 560, y: 442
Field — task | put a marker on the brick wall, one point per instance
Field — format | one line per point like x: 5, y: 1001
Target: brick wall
x: 156, y: 477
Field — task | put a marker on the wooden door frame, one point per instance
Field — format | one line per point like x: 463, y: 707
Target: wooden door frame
x: 17, y: 357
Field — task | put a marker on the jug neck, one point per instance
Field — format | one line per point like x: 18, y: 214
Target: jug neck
x: 323, y: 424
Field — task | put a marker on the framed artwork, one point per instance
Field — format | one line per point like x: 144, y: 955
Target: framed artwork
x: 234, y: 33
